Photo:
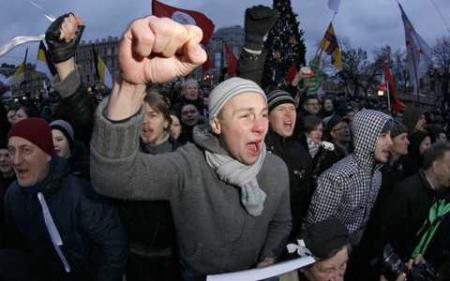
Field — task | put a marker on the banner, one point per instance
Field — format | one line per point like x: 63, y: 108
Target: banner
x: 184, y: 16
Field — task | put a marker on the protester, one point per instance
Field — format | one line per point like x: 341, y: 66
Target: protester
x: 11, y: 115
x: 67, y: 231
x: 336, y: 195
x: 207, y: 207
x: 414, y: 119
x: 313, y: 132
x: 7, y: 176
x: 410, y: 202
x: 420, y: 141
x: 282, y: 117
x: 190, y: 94
x: 337, y: 132
x: 69, y: 148
x: 328, y: 242
x: 175, y: 127
x: 190, y: 117
x: 63, y: 137
x: 392, y: 173
x: 327, y: 107
x: 149, y: 224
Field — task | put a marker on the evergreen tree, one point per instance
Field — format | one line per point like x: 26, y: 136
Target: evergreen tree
x: 284, y: 43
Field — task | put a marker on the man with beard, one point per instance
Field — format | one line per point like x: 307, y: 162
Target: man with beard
x: 408, y: 207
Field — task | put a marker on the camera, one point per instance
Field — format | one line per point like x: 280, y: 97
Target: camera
x: 392, y: 266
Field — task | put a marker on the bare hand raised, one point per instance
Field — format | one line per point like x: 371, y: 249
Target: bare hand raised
x: 155, y: 50
x: 152, y: 50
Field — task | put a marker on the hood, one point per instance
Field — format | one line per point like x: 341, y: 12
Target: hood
x: 366, y: 128
x: 207, y: 140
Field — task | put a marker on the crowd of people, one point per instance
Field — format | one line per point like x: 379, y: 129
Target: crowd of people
x: 165, y: 180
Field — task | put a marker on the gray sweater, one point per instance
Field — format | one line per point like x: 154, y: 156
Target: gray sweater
x: 214, y: 231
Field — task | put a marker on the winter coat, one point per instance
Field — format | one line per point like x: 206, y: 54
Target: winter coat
x: 300, y: 180
x: 149, y: 223
x: 215, y: 232
x: 76, y: 106
x: 405, y: 213
x: 349, y: 188
x: 94, y: 241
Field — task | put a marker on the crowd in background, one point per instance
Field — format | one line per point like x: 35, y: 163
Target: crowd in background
x: 86, y: 195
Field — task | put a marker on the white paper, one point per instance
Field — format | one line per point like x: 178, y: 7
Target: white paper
x: 263, y: 273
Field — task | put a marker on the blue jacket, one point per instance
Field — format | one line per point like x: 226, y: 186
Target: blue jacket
x: 94, y: 241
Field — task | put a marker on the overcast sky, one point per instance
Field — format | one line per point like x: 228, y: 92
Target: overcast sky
x: 369, y: 24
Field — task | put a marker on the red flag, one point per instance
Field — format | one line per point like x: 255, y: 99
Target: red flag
x: 291, y: 73
x: 184, y: 16
x: 231, y: 60
x: 397, y: 105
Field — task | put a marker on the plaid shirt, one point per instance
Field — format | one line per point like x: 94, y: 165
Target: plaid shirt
x: 348, y: 190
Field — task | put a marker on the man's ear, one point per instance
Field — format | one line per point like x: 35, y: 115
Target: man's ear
x: 332, y: 134
x: 216, y: 126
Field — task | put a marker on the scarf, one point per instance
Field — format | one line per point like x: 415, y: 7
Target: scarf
x: 234, y: 172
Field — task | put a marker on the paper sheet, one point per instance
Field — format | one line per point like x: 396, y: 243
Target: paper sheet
x: 263, y: 273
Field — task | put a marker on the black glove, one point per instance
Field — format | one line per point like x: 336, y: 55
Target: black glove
x: 58, y: 49
x: 258, y: 21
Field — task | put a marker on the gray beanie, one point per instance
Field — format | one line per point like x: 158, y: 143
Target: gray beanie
x: 65, y: 128
x: 228, y: 89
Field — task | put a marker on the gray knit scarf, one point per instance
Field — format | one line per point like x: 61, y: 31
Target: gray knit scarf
x: 234, y: 172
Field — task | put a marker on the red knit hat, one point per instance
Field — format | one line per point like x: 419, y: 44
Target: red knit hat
x: 36, y: 131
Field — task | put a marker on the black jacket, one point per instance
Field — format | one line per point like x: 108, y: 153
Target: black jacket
x: 300, y: 180
x: 405, y: 213
x: 149, y: 223
x: 76, y: 106
x: 94, y: 241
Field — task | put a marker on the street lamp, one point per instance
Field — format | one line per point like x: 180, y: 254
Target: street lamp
x: 381, y: 89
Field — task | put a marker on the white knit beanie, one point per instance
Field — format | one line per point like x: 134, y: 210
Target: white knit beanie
x: 228, y: 89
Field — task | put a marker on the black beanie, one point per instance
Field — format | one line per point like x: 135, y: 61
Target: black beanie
x: 277, y: 97
x: 325, y: 238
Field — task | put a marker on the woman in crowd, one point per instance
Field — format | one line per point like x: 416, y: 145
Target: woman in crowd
x: 67, y: 147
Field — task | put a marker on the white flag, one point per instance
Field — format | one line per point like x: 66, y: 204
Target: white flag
x: 419, y: 54
x: 334, y: 5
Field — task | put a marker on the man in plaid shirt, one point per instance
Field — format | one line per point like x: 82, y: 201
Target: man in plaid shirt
x: 348, y: 190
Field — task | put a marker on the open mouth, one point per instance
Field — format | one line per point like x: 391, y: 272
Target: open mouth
x: 287, y: 123
x: 254, y: 147
x: 20, y: 173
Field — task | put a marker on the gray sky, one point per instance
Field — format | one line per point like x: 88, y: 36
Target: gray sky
x: 369, y: 24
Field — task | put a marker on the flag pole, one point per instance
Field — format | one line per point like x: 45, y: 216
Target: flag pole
x: 388, y: 92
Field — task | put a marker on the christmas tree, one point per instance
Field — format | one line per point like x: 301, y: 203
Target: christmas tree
x: 284, y: 43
